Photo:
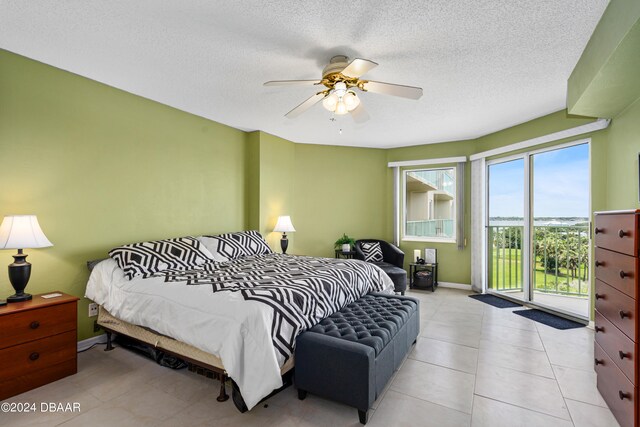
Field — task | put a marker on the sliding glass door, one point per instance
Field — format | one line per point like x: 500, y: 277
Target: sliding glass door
x: 560, y: 243
x: 506, y: 227
x: 537, y: 226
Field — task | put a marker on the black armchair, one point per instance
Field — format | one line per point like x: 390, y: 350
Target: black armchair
x: 392, y: 263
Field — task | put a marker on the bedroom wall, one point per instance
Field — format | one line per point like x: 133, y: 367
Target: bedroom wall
x: 338, y: 190
x: 101, y: 167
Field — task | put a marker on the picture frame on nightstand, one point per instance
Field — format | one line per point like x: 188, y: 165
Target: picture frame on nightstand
x: 430, y: 256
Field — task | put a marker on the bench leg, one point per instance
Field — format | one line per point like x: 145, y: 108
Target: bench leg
x: 363, y: 416
x: 302, y: 394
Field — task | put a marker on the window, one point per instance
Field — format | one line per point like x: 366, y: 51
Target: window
x: 430, y: 204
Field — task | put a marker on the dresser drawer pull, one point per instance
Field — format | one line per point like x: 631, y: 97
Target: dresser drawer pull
x: 599, y: 328
x: 623, y: 274
x: 624, y: 314
x: 624, y: 395
x: 34, y: 356
x: 622, y: 355
x: 622, y: 233
x: 598, y: 230
x: 599, y: 296
x: 34, y: 325
x: 598, y: 362
x: 599, y: 263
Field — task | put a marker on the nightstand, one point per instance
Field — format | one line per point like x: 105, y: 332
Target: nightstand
x: 341, y: 254
x: 38, y: 343
x: 430, y: 282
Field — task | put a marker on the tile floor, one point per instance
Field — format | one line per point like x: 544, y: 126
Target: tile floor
x: 473, y: 365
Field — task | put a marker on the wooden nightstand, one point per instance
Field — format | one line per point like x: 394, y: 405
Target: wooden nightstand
x: 38, y: 343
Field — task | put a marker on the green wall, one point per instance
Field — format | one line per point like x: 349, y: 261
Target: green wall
x: 338, y: 190
x: 101, y: 167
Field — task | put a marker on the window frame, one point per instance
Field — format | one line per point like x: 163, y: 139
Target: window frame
x: 403, y: 201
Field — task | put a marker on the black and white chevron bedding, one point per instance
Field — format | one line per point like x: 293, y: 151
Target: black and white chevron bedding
x: 300, y: 290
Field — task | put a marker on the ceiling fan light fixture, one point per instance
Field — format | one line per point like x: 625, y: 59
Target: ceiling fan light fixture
x: 330, y: 102
x: 341, y: 108
x: 340, y: 89
x: 351, y: 100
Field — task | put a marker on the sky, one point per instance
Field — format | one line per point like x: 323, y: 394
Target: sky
x: 560, y: 185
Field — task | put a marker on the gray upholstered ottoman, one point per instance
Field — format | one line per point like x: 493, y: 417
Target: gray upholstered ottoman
x: 350, y: 356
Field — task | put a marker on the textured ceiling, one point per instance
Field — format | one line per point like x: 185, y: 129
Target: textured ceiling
x: 484, y: 65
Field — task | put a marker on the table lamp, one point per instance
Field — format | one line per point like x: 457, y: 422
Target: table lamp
x: 21, y: 232
x: 283, y: 225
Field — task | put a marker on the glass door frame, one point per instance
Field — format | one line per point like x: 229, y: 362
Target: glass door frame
x: 527, y: 241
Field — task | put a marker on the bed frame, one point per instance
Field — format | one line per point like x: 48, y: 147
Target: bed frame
x: 198, y: 361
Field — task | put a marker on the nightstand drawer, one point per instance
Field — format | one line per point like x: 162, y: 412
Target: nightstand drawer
x: 618, y: 308
x: 615, y: 388
x: 31, y: 325
x: 36, y: 355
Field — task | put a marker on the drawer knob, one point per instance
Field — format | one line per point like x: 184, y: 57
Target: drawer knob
x: 599, y: 263
x: 598, y: 230
x: 623, y: 274
x: 624, y: 314
x: 599, y: 296
x: 34, y: 325
x: 598, y: 362
x: 624, y: 395
x: 622, y: 233
x: 599, y: 328
x: 622, y: 355
x: 34, y: 356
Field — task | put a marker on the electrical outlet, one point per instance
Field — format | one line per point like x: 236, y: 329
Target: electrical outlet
x: 93, y: 309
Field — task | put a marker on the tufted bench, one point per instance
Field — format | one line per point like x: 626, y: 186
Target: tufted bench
x: 350, y: 356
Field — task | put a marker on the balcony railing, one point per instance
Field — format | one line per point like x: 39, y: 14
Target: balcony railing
x: 438, y: 179
x: 560, y: 265
x: 430, y: 228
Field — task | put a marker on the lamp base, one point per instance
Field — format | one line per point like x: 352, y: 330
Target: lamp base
x: 284, y: 243
x: 19, y: 297
x: 2, y: 303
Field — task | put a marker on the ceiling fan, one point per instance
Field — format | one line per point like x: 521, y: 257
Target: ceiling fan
x: 341, y: 77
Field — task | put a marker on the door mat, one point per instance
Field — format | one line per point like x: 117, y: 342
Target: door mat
x: 495, y: 301
x: 549, y: 319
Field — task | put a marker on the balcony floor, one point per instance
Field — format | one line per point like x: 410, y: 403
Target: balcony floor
x: 572, y: 304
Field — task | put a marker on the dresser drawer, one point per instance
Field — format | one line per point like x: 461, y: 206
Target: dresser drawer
x: 35, y: 355
x: 18, y: 385
x: 615, y: 388
x: 618, y: 308
x: 617, y: 270
x: 31, y: 325
x: 617, y: 232
x: 622, y: 350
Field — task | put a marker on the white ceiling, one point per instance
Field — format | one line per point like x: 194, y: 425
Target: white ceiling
x: 484, y: 65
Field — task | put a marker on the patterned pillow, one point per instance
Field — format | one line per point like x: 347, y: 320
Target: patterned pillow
x: 144, y: 259
x: 372, y: 251
x: 237, y: 245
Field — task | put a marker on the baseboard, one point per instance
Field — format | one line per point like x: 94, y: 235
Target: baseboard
x: 85, y: 344
x: 454, y: 285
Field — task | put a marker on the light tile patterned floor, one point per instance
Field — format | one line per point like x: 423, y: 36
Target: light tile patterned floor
x: 473, y: 365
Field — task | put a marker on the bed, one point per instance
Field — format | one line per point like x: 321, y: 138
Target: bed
x: 237, y: 318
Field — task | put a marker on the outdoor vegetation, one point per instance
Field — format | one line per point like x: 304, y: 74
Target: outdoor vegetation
x: 561, y: 259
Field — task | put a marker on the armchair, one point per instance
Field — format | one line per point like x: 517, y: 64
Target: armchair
x: 392, y: 263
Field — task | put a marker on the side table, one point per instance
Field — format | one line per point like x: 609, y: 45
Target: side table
x: 414, y: 268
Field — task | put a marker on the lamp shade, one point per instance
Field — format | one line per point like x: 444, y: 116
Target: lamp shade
x: 22, y: 232
x: 284, y: 224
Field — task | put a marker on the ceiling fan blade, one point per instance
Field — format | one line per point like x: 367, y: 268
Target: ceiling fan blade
x: 393, y: 90
x: 310, y: 102
x: 291, y: 83
x: 359, y: 114
x: 358, y: 67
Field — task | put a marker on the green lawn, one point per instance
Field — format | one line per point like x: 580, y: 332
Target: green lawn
x: 506, y: 273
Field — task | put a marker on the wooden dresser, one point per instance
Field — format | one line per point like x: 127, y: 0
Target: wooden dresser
x: 38, y: 343
x: 617, y: 311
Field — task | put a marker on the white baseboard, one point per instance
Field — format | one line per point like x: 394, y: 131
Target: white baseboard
x: 85, y: 344
x: 454, y: 285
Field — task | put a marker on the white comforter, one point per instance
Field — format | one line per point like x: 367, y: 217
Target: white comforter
x: 220, y: 323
